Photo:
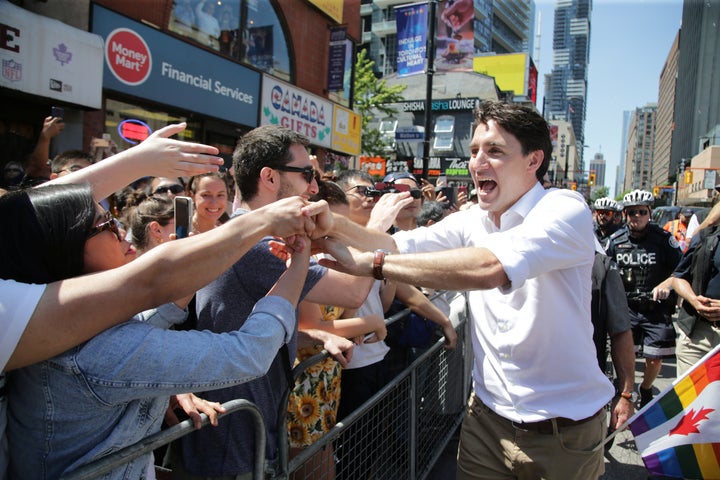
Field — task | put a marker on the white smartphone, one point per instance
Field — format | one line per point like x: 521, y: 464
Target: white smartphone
x: 183, y: 216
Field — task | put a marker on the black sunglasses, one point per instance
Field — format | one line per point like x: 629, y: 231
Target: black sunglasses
x: 307, y: 172
x: 110, y: 223
x: 365, y: 191
x: 174, y: 189
x: 392, y: 187
x: 638, y: 213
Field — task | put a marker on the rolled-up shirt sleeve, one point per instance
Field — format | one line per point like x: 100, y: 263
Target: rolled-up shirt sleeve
x: 555, y: 235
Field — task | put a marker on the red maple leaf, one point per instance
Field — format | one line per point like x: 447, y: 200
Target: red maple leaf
x: 689, y: 422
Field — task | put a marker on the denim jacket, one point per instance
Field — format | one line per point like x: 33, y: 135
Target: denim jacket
x: 113, y: 390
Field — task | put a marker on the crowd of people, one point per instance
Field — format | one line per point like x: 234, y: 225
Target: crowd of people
x: 111, y: 325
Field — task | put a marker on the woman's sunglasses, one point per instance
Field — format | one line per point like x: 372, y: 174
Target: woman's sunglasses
x: 110, y: 223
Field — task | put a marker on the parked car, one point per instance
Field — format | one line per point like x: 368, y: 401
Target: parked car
x: 662, y: 215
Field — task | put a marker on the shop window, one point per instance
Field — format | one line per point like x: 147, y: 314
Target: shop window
x: 387, y: 130
x: 117, y: 112
x: 444, y: 132
x: 246, y: 30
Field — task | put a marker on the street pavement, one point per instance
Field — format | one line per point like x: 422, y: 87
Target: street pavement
x: 622, y: 461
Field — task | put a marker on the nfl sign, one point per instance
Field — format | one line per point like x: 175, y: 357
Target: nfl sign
x: 11, y: 70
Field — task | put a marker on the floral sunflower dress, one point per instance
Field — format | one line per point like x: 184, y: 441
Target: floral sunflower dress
x: 313, y: 403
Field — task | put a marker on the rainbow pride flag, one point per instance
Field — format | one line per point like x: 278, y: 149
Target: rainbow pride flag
x: 678, y: 433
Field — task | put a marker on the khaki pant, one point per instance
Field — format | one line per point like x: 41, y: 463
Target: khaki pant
x: 492, y: 447
x: 704, y: 337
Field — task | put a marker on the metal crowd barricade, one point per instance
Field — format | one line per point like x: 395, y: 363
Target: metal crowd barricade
x: 401, y: 431
x: 397, y: 434
x: 106, y: 464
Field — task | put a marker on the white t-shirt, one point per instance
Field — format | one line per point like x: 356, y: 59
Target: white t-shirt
x: 534, y: 356
x: 17, y: 304
x: 368, y: 353
x: 693, y: 224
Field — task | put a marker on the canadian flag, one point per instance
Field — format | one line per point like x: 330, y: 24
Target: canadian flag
x: 678, y: 432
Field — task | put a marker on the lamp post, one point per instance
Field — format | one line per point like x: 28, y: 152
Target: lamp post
x: 681, y: 170
x: 430, y: 70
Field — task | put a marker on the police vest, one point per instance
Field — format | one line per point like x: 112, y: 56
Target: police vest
x: 644, y: 262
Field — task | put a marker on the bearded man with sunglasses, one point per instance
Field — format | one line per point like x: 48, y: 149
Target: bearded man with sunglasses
x: 646, y: 255
x: 603, y: 216
x: 270, y: 163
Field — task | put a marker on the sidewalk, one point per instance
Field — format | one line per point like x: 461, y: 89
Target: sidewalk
x: 622, y: 462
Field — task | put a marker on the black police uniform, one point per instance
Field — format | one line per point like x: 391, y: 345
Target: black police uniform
x: 604, y: 237
x: 643, y: 263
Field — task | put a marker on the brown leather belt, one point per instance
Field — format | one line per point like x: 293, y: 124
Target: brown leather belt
x: 545, y: 427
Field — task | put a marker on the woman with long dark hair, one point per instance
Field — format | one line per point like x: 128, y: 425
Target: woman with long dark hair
x: 113, y: 390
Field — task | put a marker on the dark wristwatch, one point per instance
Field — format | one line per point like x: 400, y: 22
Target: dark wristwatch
x: 378, y: 262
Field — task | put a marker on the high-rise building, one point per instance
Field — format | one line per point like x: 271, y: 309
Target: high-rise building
x: 566, y: 84
x: 662, y: 173
x: 640, y: 147
x: 597, y: 166
x: 697, y: 99
x: 499, y: 26
x: 620, y: 172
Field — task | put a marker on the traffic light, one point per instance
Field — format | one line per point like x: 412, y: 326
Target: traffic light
x: 573, y: 186
x: 688, y: 176
x: 591, y: 179
x: 656, y: 191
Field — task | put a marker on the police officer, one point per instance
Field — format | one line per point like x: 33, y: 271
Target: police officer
x: 646, y: 255
x: 604, y: 226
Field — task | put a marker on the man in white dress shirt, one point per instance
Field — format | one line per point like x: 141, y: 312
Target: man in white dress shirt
x: 525, y: 254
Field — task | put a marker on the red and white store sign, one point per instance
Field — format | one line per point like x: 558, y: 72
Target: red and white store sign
x: 128, y: 56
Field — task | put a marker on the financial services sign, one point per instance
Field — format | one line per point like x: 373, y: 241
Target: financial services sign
x: 145, y: 63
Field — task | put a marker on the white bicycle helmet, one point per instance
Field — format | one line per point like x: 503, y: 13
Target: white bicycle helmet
x: 638, y: 197
x: 605, y: 203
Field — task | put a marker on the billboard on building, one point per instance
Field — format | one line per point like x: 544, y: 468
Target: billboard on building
x: 42, y: 56
x: 347, y: 129
x: 454, y: 43
x: 291, y: 107
x: 511, y: 71
x: 336, y: 58
x: 331, y: 8
x: 532, y: 82
x: 411, y: 21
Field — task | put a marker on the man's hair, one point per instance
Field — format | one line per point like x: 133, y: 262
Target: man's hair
x: 524, y: 123
x: 266, y: 146
x: 430, y: 210
x: 62, y: 160
x: 348, y: 178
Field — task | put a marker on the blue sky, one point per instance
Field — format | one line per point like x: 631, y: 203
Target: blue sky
x: 629, y: 43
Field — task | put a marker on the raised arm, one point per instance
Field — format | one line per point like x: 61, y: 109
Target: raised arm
x: 37, y: 165
x: 158, y: 156
x: 469, y: 268
x: 73, y: 310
